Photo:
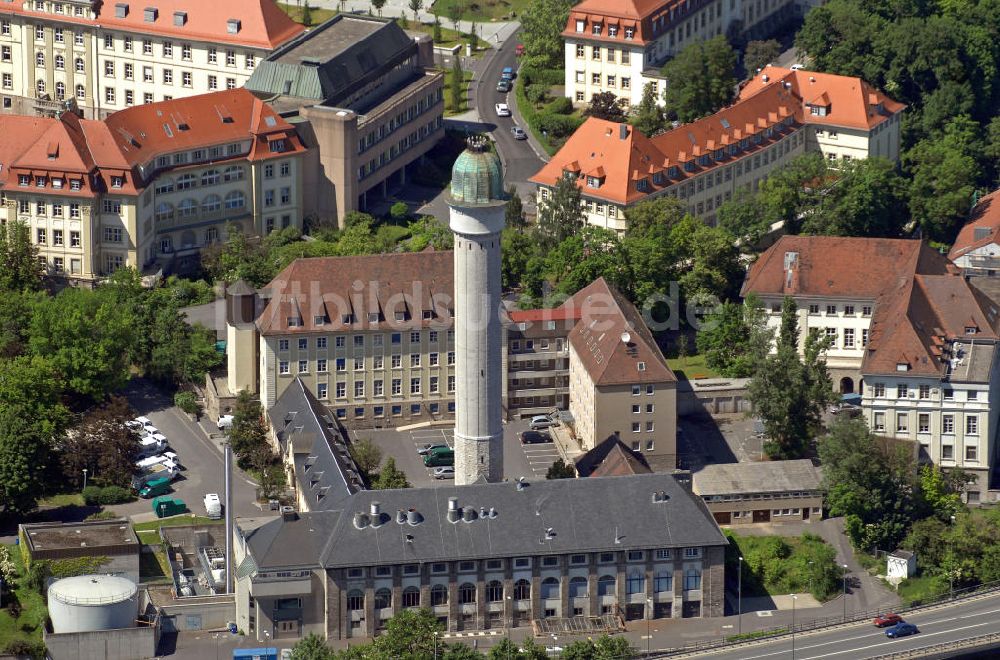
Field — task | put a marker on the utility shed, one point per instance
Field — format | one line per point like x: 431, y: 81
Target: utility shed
x: 113, y: 541
x: 773, y: 491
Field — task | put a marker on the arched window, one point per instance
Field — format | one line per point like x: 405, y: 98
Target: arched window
x: 522, y: 590
x: 411, y: 597
x: 663, y: 581
x: 211, y: 204
x: 233, y: 173
x: 79, y: 65
x: 550, y: 588
x: 606, y: 585
x: 383, y: 598
x: 60, y: 62
x: 467, y: 593
x: 164, y: 211
x: 635, y: 583
x: 40, y: 59
x: 494, y: 591
x: 187, y: 208
x: 40, y: 86
x: 355, y: 599
x: 235, y: 200
x: 439, y: 595
x: 210, y: 177
x: 60, y: 91
x: 81, y: 93
x: 578, y: 587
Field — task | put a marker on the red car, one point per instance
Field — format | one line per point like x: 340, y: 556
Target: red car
x: 519, y: 50
x: 887, y: 619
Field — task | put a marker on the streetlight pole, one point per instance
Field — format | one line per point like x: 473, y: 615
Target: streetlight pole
x: 649, y: 615
x: 435, y: 645
x: 85, y: 478
x: 845, y: 592
x: 739, y: 597
x: 794, y: 598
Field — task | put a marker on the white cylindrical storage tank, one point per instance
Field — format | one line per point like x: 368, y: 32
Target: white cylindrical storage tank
x: 92, y: 602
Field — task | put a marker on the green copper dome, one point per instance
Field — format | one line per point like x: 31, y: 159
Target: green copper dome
x: 477, y: 177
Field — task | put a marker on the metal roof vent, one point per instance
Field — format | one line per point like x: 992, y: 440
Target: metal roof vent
x: 233, y: 26
x: 468, y: 514
x: 550, y: 533
x: 493, y: 512
x: 521, y: 483
x: 375, y: 512
x: 361, y: 520
x: 121, y: 10
x: 413, y: 517
x: 453, y: 513
x: 409, y: 538
x: 660, y: 496
x: 483, y: 512
x: 180, y: 18
x: 149, y: 14
x: 400, y: 516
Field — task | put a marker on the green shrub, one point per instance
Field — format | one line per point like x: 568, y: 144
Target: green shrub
x: 23, y: 647
x: 103, y: 515
x: 547, y: 77
x: 536, y: 93
x: 96, y: 495
x: 557, y: 125
x: 560, y: 106
x: 187, y: 402
x: 399, y: 211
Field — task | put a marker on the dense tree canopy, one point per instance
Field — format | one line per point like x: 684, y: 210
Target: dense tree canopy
x: 541, y: 31
x: 700, y: 79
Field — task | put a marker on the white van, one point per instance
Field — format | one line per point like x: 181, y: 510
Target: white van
x: 213, y: 506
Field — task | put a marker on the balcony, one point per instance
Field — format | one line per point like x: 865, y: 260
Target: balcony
x: 539, y: 391
x: 538, y: 373
x: 547, y: 354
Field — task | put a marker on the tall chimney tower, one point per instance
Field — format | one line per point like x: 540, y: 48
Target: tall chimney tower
x: 477, y: 202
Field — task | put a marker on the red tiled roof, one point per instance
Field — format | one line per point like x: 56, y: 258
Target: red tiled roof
x: 561, y: 313
x: 262, y: 23
x: 334, y: 287
x: 639, y: 14
x: 144, y: 132
x: 612, y: 341
x: 762, y: 107
x: 985, y: 215
x: 921, y: 301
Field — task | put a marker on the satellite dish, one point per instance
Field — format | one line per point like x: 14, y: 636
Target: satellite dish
x: 626, y: 337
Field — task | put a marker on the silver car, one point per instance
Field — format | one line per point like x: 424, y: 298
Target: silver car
x: 444, y: 472
x: 518, y: 133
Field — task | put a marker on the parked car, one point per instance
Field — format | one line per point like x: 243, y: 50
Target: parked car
x: 535, y: 437
x: 165, y: 506
x: 503, y: 86
x: 155, y: 488
x: 887, y: 619
x: 796, y: 67
x: 518, y: 133
x: 519, y: 50
x: 508, y: 73
x: 213, y: 506
x: 225, y: 422
x: 846, y: 409
x: 901, y: 629
x: 539, y: 422
x: 439, y: 458
x: 444, y: 472
x: 427, y: 449
x: 503, y: 110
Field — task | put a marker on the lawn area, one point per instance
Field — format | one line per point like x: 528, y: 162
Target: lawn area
x: 449, y: 37
x: 481, y: 10
x: 62, y: 499
x: 785, y: 564
x: 463, y: 105
x: 318, y: 15
x: 923, y: 588
x: 154, y: 566
x: 27, y: 626
x: 174, y: 521
x: 692, y: 367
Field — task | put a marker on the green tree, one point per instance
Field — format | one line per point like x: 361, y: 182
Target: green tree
x: 408, y: 634
x: 24, y: 457
x: 513, y: 212
x: 607, y: 106
x: 238, y: 258
x: 454, y: 14
x: 378, y: 4
x: 561, y: 215
x: 307, y: 16
x: 459, y: 651
x: 86, y: 340
x: 561, y: 470
x: 102, y: 444
x: 648, y: 116
x: 312, y: 646
x: 457, y: 84
x: 700, y: 79
x: 942, y: 493
x: 20, y: 269
x: 580, y: 259
x: 271, y: 478
x: 542, y: 24
x: 869, y: 198
x: 428, y: 231
x: 734, y: 339
x: 389, y: 476
x: 474, y: 37
x: 870, y: 481
x: 789, y: 393
x: 16, y: 308
x: 367, y: 455
x: 607, y: 647
x: 437, y: 28
x: 758, y: 54
x: 521, y: 262
x: 30, y: 383
x: 248, y: 433
x: 415, y: 7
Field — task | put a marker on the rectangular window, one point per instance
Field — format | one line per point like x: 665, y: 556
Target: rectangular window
x: 947, y: 424
x: 321, y: 390
x: 902, y: 422
x: 878, y: 421
x: 971, y: 425
x: 848, y: 337
x: 902, y: 391
x: 341, y: 390
x: 414, y: 386
x: 971, y: 453
x: 923, y: 423
x: 283, y: 367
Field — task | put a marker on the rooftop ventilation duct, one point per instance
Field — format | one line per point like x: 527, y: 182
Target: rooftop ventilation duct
x: 400, y: 516
x: 413, y: 517
x: 453, y: 512
x: 468, y: 514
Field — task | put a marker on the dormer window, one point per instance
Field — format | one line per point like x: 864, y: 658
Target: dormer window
x: 319, y: 320
x: 704, y: 160
x: 428, y: 314
x: 642, y: 366
x: 400, y: 316
x: 373, y: 317
x: 294, y: 322
x: 121, y: 10
x: 971, y: 330
x: 40, y: 181
x: 23, y: 180
x: 347, y: 319
x: 612, y: 30
x: 689, y: 166
x: 673, y: 172
x: 149, y: 14
x: 117, y: 181
x: 902, y: 366
x: 629, y: 32
x: 75, y: 184
x: 593, y: 182
x: 233, y: 26
x: 180, y: 18
x: 581, y: 25
x: 596, y: 28
x: 642, y: 185
x: 57, y: 182
x: 658, y: 178
x: 819, y: 110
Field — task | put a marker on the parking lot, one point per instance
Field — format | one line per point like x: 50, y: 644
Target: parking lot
x: 529, y: 461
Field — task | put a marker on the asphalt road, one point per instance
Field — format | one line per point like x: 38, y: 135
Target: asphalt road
x: 519, y: 159
x: 961, y: 620
x: 200, y: 458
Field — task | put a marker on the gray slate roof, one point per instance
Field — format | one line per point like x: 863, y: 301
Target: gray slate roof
x: 324, y: 64
x: 769, y: 477
x: 324, y: 470
x: 584, y: 515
